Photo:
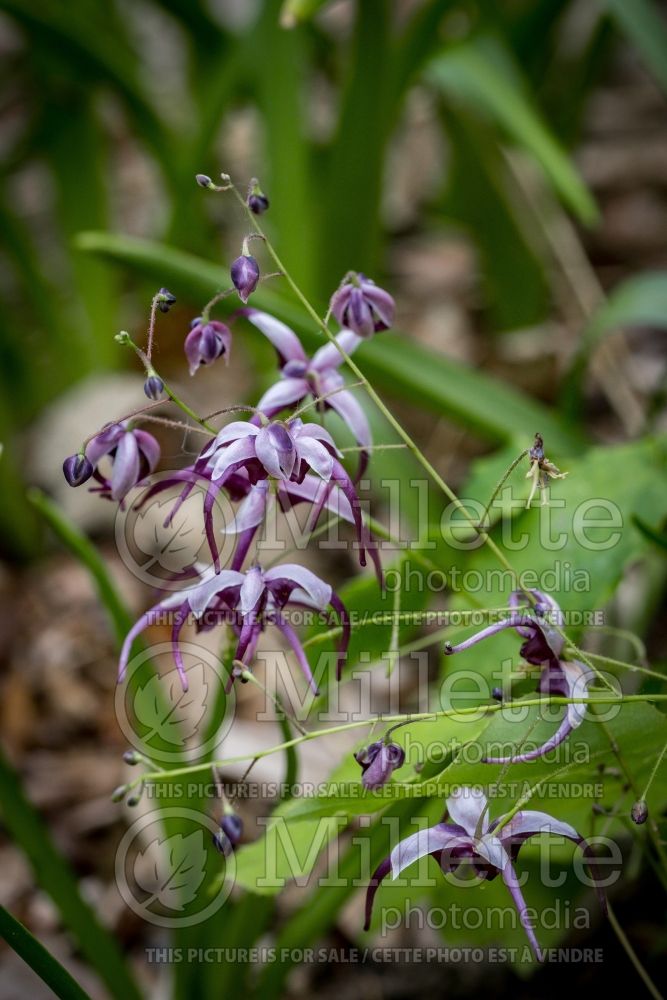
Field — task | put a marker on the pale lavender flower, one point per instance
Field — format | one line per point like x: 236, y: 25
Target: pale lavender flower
x: 543, y: 645
x: 318, y: 377
x: 378, y: 762
x: 470, y: 838
x: 245, y: 276
x: 248, y: 602
x: 134, y: 455
x: 362, y: 306
x: 207, y: 341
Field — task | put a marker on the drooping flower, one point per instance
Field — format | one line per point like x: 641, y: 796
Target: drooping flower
x: 541, y: 471
x: 318, y: 377
x: 256, y: 200
x: 362, y: 306
x: 207, y: 341
x: 245, y: 276
x: 489, y: 847
x: 378, y: 761
x: 248, y: 602
x: 77, y: 469
x: 134, y: 454
x: 543, y: 646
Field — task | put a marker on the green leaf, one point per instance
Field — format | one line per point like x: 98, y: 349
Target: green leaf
x: 645, y: 26
x: 41, y: 961
x: 294, y: 12
x: 392, y: 362
x: 54, y: 875
x: 639, y: 301
x: 480, y: 74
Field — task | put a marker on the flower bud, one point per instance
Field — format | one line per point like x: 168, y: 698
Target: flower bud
x: 228, y: 836
x: 256, y: 201
x: 206, y: 342
x: 132, y: 757
x: 378, y: 762
x: 245, y: 276
x: 119, y: 793
x: 361, y: 306
x: 77, y: 469
x: 497, y: 694
x: 165, y: 300
x: 639, y: 812
x: 153, y: 386
x: 204, y: 180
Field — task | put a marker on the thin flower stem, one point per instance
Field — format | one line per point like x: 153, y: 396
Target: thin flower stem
x: 206, y: 311
x: 179, y: 424
x: 634, y: 667
x: 371, y: 447
x: 151, y: 328
x: 326, y: 395
x: 633, y: 956
x: 182, y: 772
x: 121, y: 420
x: 499, y: 485
x: 384, y: 409
x: 654, y: 772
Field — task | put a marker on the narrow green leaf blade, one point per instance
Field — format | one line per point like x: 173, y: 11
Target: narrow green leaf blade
x: 41, y: 961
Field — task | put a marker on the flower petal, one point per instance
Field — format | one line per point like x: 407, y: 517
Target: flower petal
x: 285, y: 392
x: 329, y: 356
x: 512, y: 883
x: 467, y: 806
x: 318, y: 591
x: 283, y: 339
x: 126, y: 466
x: 298, y: 649
x: 232, y: 457
x: 149, y: 447
x: 435, y: 838
x: 251, y: 590
x: 530, y: 822
x: 200, y: 597
x: 349, y: 408
x: 316, y: 456
x: 252, y: 510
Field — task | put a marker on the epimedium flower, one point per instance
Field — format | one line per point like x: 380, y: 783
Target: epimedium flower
x: 543, y: 647
x: 248, y: 602
x: 207, y: 341
x: 471, y: 839
x: 318, y: 377
x: 378, y: 761
x: 245, y: 276
x: 134, y: 454
x: 362, y: 306
x: 541, y: 471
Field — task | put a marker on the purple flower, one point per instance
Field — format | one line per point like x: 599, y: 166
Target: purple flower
x: 471, y: 839
x: 153, y: 386
x: 256, y: 201
x: 378, y: 761
x: 206, y: 342
x: 362, y: 306
x: 134, y: 454
x: 285, y: 451
x: 543, y: 645
x: 245, y: 276
x: 77, y: 469
x: 248, y: 602
x: 318, y: 376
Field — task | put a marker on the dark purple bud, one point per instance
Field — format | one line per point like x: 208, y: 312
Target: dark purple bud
x: 77, y: 469
x: 449, y: 649
x: 228, y: 836
x: 132, y: 757
x: 165, y: 300
x: 378, y: 762
x: 639, y: 812
x: 204, y: 180
x: 537, y: 451
x: 256, y: 201
x: 362, y: 306
x: 497, y: 694
x: 153, y: 386
x: 245, y: 276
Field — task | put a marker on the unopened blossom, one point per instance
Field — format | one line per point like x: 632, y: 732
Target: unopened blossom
x: 543, y: 647
x: 362, y: 306
x: 165, y: 300
x: 256, y: 201
x: 541, y: 471
x: 639, y: 812
x: 207, y: 341
x: 247, y: 602
x: 378, y: 762
x: 134, y: 454
x: 471, y: 839
x: 318, y: 377
x: 154, y: 387
x: 227, y: 837
x: 77, y: 469
x: 245, y: 276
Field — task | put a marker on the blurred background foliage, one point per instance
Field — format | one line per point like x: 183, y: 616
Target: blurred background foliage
x: 438, y: 145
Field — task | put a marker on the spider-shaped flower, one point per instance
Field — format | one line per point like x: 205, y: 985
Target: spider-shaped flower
x: 248, y: 602
x: 543, y: 646
x: 133, y: 453
x: 472, y: 839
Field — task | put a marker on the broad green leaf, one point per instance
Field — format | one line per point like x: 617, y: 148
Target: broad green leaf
x: 644, y: 24
x: 639, y: 301
x: 41, y: 961
x: 479, y: 73
x: 392, y: 362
